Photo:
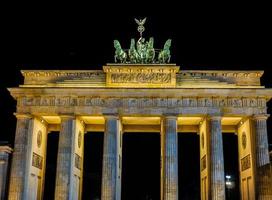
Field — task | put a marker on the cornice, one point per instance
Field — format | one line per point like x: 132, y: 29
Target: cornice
x: 144, y: 92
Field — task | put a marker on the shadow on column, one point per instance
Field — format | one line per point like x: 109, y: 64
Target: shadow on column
x: 189, y: 166
x: 141, y: 166
x: 231, y: 165
x: 92, y: 174
x: 51, y: 165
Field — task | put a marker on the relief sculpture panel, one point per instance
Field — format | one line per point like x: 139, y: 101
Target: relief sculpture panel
x: 136, y: 76
x: 141, y: 78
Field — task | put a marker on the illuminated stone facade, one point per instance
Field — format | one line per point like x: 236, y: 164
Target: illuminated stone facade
x: 138, y: 98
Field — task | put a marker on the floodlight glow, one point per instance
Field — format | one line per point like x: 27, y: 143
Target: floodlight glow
x: 228, y: 183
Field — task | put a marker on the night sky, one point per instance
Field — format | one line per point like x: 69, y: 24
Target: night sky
x: 72, y: 36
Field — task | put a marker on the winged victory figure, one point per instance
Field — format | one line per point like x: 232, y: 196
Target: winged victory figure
x: 141, y: 23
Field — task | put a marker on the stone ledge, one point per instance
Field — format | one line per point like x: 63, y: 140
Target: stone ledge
x: 93, y: 78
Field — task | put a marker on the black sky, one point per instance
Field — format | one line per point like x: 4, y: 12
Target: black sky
x: 75, y: 36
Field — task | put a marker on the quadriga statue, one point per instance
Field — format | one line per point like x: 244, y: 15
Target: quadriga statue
x: 142, y: 51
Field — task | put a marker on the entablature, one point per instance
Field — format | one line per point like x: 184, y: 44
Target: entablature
x: 143, y: 76
x: 141, y: 101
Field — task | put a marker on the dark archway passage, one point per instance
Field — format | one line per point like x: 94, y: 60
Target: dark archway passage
x: 231, y: 165
x: 189, y: 166
x: 141, y: 166
x: 51, y: 165
x: 92, y: 174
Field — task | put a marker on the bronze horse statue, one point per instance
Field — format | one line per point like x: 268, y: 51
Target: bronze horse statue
x: 132, y: 52
x: 120, y: 54
x: 164, y: 55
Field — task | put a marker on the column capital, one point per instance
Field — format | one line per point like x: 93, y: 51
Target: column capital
x: 111, y: 116
x: 214, y: 117
x: 23, y: 115
x: 260, y: 117
x: 65, y: 117
x: 169, y: 116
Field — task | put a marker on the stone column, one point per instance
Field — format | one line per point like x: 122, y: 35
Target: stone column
x: 19, y: 158
x: 4, y: 162
x: 261, y: 140
x: 64, y: 160
x: 170, y: 158
x: 111, y: 172
x: 217, y: 174
x: 264, y: 172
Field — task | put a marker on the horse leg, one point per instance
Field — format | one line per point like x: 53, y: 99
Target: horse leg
x: 169, y: 57
x: 125, y: 57
x: 115, y: 58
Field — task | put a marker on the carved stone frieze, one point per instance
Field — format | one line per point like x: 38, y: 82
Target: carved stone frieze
x: 140, y: 102
x: 138, y: 76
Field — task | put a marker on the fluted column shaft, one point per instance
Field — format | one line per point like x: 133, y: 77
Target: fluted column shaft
x: 263, y: 175
x: 18, y: 166
x: 111, y: 189
x: 262, y: 152
x: 64, y: 159
x: 170, y: 179
x: 217, y: 175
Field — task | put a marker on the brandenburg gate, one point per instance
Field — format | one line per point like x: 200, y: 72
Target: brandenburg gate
x: 138, y: 97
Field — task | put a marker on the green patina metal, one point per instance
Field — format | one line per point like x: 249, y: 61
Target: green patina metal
x: 142, y: 52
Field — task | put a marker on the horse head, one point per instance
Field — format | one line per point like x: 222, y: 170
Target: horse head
x: 117, y: 45
x: 167, y: 44
x: 132, y: 43
x: 151, y: 42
